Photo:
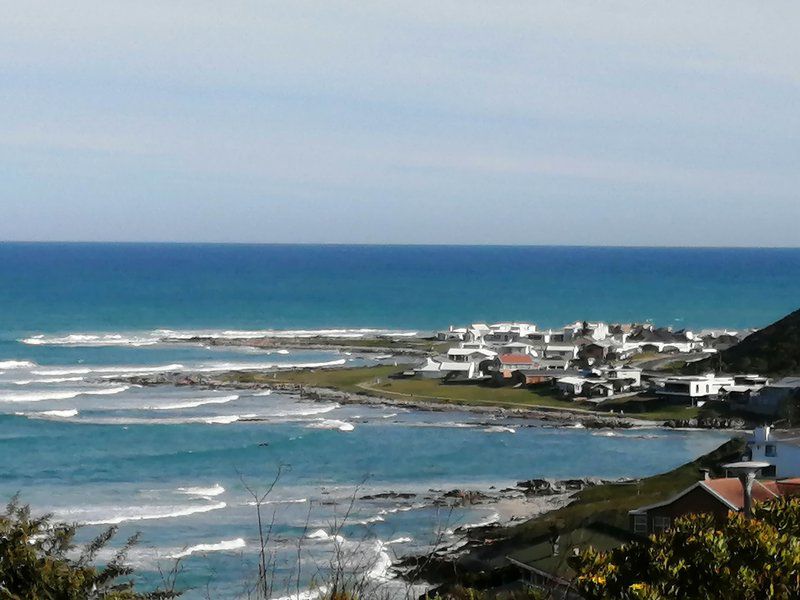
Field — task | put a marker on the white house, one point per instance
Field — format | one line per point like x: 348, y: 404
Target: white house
x: 517, y: 348
x: 782, y: 453
x: 694, y: 388
x: 630, y: 374
x: 584, y: 386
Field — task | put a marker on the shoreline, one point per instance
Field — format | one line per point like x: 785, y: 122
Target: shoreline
x: 556, y: 416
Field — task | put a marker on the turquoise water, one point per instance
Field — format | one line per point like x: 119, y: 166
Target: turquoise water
x: 172, y: 462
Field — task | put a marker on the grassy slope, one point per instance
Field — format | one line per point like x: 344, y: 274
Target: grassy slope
x: 376, y: 381
x: 773, y: 350
x: 598, y: 517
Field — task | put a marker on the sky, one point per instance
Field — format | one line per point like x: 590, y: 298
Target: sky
x: 578, y: 123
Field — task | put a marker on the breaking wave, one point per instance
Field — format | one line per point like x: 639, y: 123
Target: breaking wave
x: 149, y: 338
x: 62, y: 414
x: 195, y: 403
x: 214, y: 490
x: 224, y: 545
x: 331, y: 424
x: 149, y: 513
x: 16, y: 364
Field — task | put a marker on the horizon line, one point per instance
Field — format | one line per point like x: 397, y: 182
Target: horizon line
x: 392, y: 244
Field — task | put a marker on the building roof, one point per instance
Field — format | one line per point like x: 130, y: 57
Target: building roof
x: 728, y: 490
x: 516, y: 359
x: 469, y: 351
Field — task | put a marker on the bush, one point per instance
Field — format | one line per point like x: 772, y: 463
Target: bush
x: 699, y: 558
x: 39, y: 560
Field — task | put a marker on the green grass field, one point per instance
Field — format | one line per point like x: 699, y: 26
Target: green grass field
x: 377, y: 381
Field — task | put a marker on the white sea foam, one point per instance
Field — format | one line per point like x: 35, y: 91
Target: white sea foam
x: 381, y: 564
x: 62, y: 414
x: 249, y: 366
x: 58, y: 394
x: 400, y: 540
x: 287, y: 501
x: 605, y: 434
x: 264, y: 393
x: 37, y: 396
x: 16, y: 364
x: 91, y: 339
x: 369, y: 520
x: 128, y: 371
x: 47, y: 380
x: 322, y: 535
x: 150, y: 513
x: 223, y: 546
x: 107, y: 391
x: 500, y: 429
x: 305, y: 594
x: 223, y: 420
x: 195, y: 403
x: 205, y: 492
x: 307, y: 411
x: 331, y: 424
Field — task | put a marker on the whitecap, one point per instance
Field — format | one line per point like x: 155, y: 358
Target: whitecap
x: 287, y: 501
x: 264, y: 393
x: 400, y: 540
x: 62, y: 414
x: 500, y: 429
x: 106, y: 391
x: 16, y: 364
x: 195, y: 403
x: 322, y: 535
x: 223, y: 546
x: 37, y: 396
x: 369, y: 520
x: 150, y: 513
x: 214, y: 490
x: 307, y: 411
x: 305, y: 594
x: 90, y: 339
x: 331, y: 424
x: 222, y: 420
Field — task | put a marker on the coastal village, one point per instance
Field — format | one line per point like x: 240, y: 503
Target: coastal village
x: 595, y: 362
x: 625, y: 365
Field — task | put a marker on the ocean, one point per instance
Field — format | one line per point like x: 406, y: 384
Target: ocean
x: 175, y: 463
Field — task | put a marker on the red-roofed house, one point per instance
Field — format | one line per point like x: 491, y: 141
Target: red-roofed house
x: 714, y: 496
x: 506, y: 364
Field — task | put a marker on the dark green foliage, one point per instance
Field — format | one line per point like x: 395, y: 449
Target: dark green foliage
x: 40, y: 561
x: 773, y: 350
x: 700, y: 558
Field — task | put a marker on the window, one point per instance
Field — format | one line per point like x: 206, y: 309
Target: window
x: 640, y: 524
x: 769, y: 450
x: 661, y: 523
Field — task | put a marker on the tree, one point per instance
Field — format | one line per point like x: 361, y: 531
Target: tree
x: 702, y: 558
x: 40, y: 561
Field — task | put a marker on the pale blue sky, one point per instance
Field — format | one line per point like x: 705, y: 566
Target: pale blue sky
x: 624, y: 123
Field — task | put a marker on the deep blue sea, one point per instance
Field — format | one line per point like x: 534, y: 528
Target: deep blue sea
x: 173, y: 462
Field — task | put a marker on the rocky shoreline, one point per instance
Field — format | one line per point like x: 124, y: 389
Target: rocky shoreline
x: 313, y: 343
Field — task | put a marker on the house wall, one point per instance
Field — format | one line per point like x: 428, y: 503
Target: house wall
x: 784, y: 456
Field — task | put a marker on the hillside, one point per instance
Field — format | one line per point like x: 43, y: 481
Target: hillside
x: 774, y: 350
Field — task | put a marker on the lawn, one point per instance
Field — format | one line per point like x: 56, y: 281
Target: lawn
x: 377, y: 381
